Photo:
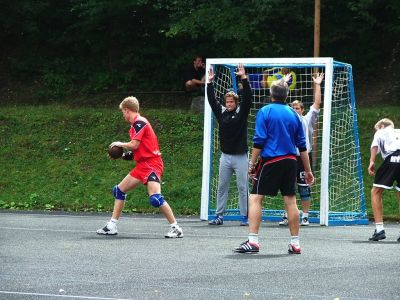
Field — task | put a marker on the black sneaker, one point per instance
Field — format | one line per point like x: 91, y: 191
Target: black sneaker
x: 377, y: 236
x: 247, y: 247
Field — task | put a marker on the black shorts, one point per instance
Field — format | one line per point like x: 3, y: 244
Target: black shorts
x: 279, y: 175
x: 301, y: 176
x: 389, y: 172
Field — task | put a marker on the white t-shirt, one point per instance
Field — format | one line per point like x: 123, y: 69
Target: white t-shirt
x: 308, y: 122
x: 386, y: 141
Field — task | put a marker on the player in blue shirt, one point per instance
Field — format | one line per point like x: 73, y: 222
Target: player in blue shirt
x: 278, y: 135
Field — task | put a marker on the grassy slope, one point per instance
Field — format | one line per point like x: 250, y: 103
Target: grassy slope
x: 54, y: 157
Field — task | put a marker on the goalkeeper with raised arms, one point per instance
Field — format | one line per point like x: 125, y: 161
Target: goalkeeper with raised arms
x: 232, y: 121
x: 278, y: 135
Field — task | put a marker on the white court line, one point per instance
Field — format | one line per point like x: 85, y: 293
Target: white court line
x: 186, y: 235
x: 258, y: 292
x: 60, y: 296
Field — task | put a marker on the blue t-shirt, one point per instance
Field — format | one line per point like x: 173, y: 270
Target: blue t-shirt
x: 278, y: 131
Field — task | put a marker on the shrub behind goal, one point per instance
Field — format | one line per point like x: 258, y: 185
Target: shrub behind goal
x: 338, y: 193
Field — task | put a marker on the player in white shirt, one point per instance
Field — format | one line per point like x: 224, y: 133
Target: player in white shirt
x: 308, y: 120
x: 388, y: 144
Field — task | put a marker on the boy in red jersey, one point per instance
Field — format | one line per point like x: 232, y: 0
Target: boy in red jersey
x: 148, y: 170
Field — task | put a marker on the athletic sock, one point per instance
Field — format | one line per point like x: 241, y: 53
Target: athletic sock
x: 115, y: 221
x: 305, y: 215
x: 294, y: 240
x: 379, y: 226
x: 253, y: 238
x: 174, y: 224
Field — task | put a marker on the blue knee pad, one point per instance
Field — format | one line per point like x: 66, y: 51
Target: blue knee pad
x: 305, y: 192
x: 118, y: 194
x: 156, y: 200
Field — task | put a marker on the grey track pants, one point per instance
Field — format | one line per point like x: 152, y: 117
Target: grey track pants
x: 229, y: 163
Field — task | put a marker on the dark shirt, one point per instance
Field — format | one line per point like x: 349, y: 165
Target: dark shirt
x: 232, y: 124
x: 191, y: 73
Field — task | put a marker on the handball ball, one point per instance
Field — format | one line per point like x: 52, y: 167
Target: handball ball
x: 115, y: 152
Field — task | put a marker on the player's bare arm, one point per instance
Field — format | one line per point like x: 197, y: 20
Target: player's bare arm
x: 317, y: 95
x: 371, y: 167
x: 307, y: 168
x: 255, y: 154
x: 132, y: 145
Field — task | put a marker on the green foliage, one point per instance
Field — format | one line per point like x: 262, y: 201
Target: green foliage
x: 54, y: 158
x: 96, y: 46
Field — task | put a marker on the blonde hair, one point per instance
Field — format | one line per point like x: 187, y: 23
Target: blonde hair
x: 232, y: 94
x: 383, y: 123
x: 131, y: 103
x: 297, y: 102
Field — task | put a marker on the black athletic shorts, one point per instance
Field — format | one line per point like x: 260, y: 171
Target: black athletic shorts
x: 389, y: 172
x: 278, y: 175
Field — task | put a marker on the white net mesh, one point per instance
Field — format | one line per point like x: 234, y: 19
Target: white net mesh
x: 345, y: 180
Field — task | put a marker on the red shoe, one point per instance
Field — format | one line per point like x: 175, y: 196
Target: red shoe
x: 293, y: 249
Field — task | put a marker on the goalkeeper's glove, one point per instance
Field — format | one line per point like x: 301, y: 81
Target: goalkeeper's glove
x: 127, y: 155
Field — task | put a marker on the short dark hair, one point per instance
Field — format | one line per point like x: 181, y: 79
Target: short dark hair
x: 279, y: 90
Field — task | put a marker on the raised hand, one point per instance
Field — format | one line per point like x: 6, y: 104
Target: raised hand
x: 318, y: 78
x: 210, y: 77
x: 287, y: 78
x: 241, y: 71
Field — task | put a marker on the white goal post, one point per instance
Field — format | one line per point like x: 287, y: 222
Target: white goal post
x: 338, y: 194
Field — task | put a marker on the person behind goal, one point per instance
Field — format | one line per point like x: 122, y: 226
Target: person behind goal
x: 309, y: 120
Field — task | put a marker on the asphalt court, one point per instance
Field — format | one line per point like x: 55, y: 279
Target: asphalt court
x: 59, y: 256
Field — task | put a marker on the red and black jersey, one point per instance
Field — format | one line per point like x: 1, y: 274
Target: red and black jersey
x: 142, y: 131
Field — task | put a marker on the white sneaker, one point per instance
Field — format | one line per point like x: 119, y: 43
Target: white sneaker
x: 174, y: 232
x: 304, y: 221
x: 109, y: 229
x: 284, y: 222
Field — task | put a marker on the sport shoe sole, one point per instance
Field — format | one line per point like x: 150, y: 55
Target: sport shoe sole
x: 378, y: 236
x: 217, y: 221
x: 248, y: 248
x: 294, y: 250
x: 174, y: 233
x: 174, y: 237
x: 106, y: 231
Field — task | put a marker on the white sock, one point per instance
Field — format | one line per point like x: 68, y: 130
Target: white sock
x: 294, y: 240
x: 305, y: 215
x: 253, y: 238
x: 115, y: 221
x: 379, y: 226
x: 174, y: 224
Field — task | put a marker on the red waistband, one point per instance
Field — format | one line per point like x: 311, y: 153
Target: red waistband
x: 279, y: 158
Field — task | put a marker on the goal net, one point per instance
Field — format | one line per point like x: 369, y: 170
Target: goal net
x: 337, y: 194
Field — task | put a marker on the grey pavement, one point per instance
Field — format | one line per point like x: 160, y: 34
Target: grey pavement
x: 59, y: 256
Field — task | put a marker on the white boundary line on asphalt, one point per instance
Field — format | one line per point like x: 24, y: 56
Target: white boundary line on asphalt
x: 60, y: 295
